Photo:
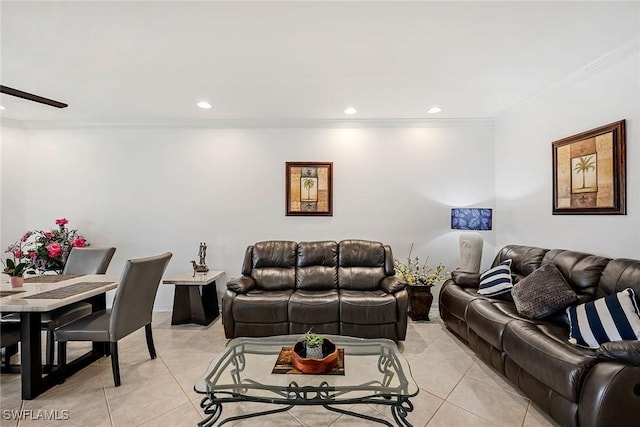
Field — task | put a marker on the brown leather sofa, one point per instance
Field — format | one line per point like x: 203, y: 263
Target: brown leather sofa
x: 576, y: 386
x: 346, y: 288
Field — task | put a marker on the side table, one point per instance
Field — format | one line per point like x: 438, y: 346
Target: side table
x: 195, y: 299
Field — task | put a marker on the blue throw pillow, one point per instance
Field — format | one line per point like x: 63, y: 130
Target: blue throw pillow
x: 611, y: 318
x: 496, y: 280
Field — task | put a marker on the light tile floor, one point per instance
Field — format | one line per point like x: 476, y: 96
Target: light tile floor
x: 456, y: 388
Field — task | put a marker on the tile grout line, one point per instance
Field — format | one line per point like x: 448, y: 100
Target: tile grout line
x: 179, y: 385
x: 459, y: 407
x: 104, y: 390
x: 474, y: 414
x: 466, y: 410
x: 510, y: 389
x: 524, y: 419
x: 437, y: 409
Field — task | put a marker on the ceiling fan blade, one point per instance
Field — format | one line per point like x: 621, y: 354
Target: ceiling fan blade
x: 32, y: 97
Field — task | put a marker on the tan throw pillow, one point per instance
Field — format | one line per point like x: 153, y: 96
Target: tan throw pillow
x: 543, y: 292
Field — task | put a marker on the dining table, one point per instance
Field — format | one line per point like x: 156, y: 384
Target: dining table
x: 45, y: 293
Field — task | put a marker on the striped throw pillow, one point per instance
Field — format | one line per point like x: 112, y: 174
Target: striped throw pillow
x: 611, y: 318
x: 496, y: 280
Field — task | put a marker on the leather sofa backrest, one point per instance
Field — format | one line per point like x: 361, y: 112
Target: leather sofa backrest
x: 620, y: 274
x: 524, y: 259
x: 582, y: 271
x: 362, y: 264
x: 272, y: 264
x: 317, y: 265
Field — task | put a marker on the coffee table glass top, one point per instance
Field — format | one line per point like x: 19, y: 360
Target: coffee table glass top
x: 373, y: 369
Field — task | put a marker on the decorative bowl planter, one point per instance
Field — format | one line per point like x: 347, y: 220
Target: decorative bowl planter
x: 420, y: 299
x: 310, y: 365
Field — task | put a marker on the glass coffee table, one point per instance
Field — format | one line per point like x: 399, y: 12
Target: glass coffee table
x: 374, y: 372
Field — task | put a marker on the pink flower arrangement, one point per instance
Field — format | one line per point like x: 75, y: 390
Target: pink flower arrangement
x: 48, y: 250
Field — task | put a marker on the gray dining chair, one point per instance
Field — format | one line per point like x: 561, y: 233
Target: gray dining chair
x: 9, y: 339
x: 132, y: 309
x: 81, y: 261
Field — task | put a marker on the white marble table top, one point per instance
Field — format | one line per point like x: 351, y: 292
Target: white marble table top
x: 17, y: 302
x: 187, y: 279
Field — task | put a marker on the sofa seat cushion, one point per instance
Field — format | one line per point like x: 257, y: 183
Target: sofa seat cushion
x: 488, y: 321
x: 542, y: 351
x: 258, y: 306
x: 314, y: 306
x: 456, y: 299
x: 367, y: 307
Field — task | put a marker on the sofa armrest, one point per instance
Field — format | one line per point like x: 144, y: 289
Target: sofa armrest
x: 392, y: 284
x: 241, y: 285
x: 621, y: 351
x: 465, y: 279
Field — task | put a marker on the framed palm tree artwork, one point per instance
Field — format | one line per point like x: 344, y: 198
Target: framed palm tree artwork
x: 309, y: 188
x: 589, y: 172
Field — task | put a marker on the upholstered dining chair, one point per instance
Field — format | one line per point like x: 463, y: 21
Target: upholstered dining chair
x: 131, y: 310
x: 81, y: 261
x: 88, y: 260
x: 9, y: 339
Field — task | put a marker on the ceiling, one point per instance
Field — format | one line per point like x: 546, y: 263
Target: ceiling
x: 139, y: 62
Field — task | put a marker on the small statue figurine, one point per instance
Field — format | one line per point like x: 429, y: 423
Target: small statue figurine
x: 202, y: 253
x: 202, y: 266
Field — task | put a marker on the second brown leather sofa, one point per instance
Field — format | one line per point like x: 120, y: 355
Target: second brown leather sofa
x: 576, y: 386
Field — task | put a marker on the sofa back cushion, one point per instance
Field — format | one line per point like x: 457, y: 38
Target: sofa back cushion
x: 619, y: 274
x: 317, y: 265
x: 272, y: 264
x: 524, y: 259
x: 362, y: 264
x: 581, y: 270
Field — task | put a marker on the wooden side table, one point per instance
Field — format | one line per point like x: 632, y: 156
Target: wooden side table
x: 195, y: 299
x: 420, y: 300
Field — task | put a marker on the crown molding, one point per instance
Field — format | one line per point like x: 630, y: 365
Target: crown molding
x: 625, y: 50
x: 261, y: 124
x: 11, y: 123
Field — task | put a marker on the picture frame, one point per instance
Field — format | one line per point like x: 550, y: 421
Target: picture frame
x: 309, y: 188
x: 589, y: 172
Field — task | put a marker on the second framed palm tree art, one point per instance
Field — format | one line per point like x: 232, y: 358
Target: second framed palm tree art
x: 589, y: 172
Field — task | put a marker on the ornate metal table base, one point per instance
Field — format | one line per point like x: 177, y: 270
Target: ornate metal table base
x: 400, y: 407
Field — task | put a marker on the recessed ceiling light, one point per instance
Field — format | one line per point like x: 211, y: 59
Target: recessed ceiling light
x: 2, y: 107
x: 350, y: 110
x: 434, y: 110
x: 204, y: 104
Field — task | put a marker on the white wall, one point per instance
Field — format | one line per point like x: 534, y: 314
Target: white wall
x: 12, y: 189
x: 524, y: 164
x: 150, y: 190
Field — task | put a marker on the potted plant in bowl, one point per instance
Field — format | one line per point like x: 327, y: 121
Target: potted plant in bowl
x: 314, y: 354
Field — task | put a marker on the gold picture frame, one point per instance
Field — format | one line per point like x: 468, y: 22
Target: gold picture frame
x: 309, y: 190
x: 589, y: 172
